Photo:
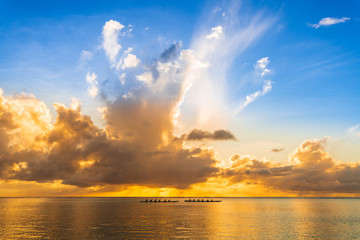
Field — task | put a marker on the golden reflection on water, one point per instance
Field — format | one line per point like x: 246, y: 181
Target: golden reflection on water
x: 127, y: 218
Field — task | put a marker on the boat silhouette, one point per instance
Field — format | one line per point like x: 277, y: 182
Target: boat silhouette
x: 158, y: 201
x: 201, y: 200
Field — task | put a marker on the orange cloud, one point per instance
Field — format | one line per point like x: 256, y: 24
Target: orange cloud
x: 312, y: 171
x: 138, y: 148
x: 76, y: 152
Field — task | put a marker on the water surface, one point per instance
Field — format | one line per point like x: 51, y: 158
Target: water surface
x: 128, y: 218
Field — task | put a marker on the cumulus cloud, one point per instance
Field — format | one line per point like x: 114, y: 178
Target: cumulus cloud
x: 111, y: 45
x: 137, y: 146
x: 146, y: 77
x: 328, y: 21
x: 130, y: 61
x: 111, y: 33
x: 277, y: 149
x: 311, y: 170
x: 77, y: 152
x: 220, y: 134
x: 91, y: 80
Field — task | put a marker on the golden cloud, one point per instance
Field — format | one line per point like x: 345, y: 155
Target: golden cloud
x: 312, y: 170
x: 77, y: 152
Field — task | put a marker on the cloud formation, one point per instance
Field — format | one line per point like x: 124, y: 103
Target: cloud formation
x: 85, y: 57
x: 77, y: 152
x: 354, y: 130
x: 91, y: 80
x: 328, y: 21
x: 213, y: 51
x: 312, y: 170
x: 277, y: 149
x: 198, y: 135
x: 137, y: 145
x: 216, y: 33
x: 110, y: 34
x: 130, y: 61
x: 261, y: 71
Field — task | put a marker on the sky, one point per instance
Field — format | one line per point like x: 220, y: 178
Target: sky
x: 179, y: 98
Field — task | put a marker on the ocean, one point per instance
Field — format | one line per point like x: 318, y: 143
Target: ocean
x: 128, y: 218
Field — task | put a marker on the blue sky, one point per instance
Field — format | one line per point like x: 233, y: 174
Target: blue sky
x: 314, y: 71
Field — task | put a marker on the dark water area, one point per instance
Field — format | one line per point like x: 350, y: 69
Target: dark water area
x: 128, y: 218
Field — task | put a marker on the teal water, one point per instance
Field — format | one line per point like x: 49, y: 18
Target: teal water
x: 128, y: 218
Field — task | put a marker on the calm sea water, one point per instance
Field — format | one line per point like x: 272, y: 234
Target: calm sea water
x: 127, y: 218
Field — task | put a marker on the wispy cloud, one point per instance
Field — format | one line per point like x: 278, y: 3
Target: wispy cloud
x: 261, y: 71
x: 216, y: 33
x: 328, y: 21
x: 216, y: 50
x: 85, y: 57
x: 354, y: 130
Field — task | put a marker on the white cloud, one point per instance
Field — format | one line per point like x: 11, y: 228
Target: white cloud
x: 91, y: 80
x: 216, y: 33
x: 354, y: 130
x: 75, y: 104
x: 146, y: 77
x: 217, y: 9
x: 260, y: 67
x: 214, y: 52
x: 260, y: 71
x: 110, y: 34
x: 130, y: 28
x: 252, y: 97
x: 188, y: 56
x: 122, y: 78
x: 130, y: 61
x: 328, y: 21
x: 85, y: 57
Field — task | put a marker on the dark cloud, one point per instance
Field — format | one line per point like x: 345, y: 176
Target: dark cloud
x: 313, y: 171
x: 277, y: 149
x: 170, y: 53
x: 198, y: 135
